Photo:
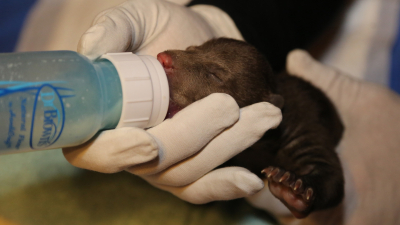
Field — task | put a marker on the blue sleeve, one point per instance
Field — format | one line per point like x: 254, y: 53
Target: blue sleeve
x: 12, y: 17
x: 394, y: 81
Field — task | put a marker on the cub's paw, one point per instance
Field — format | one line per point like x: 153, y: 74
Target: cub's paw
x: 291, y: 190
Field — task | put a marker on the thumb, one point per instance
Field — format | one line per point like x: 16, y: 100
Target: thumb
x: 126, y: 27
x: 340, y: 88
x: 111, y: 32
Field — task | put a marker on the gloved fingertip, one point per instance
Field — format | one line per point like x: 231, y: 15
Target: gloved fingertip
x: 269, y: 108
x: 223, y: 98
x: 267, y: 112
x: 248, y: 182
x: 210, y: 114
x: 218, y: 100
x: 226, y: 102
x: 298, y: 60
x: 275, y: 114
x: 90, y: 42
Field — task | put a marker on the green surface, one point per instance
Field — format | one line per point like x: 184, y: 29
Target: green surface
x: 42, y: 188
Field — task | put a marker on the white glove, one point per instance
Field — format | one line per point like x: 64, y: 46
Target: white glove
x: 369, y: 150
x: 179, y: 154
x: 152, y: 26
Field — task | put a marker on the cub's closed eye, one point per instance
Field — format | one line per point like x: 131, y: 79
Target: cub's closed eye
x: 215, y: 77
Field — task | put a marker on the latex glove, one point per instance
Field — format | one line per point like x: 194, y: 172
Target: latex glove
x: 152, y: 26
x: 179, y: 151
x: 179, y: 154
x: 369, y: 150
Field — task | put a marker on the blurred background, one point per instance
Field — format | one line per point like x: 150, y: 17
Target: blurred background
x: 43, y: 188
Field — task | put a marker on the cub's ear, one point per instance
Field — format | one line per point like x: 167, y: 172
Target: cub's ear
x: 276, y: 100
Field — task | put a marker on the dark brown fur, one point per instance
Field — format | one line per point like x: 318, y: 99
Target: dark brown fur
x: 303, y: 144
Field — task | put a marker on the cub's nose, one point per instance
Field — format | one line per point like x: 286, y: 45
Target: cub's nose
x: 165, y: 60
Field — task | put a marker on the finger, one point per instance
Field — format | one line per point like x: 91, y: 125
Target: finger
x: 124, y: 28
x: 339, y: 87
x: 111, y: 32
x: 114, y: 150
x: 180, y: 2
x: 254, y: 121
x: 221, y: 184
x: 190, y: 130
x: 265, y: 200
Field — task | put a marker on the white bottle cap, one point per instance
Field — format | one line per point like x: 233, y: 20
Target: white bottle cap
x: 145, y: 91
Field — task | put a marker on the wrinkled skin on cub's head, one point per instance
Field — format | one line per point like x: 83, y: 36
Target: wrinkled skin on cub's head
x: 219, y: 66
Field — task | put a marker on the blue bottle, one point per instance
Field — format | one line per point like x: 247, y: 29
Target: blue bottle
x: 60, y: 99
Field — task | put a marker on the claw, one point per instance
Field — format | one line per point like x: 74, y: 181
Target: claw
x: 267, y: 170
x: 273, y: 173
x: 278, y: 176
x: 297, y: 187
x: 285, y: 177
x: 309, y: 194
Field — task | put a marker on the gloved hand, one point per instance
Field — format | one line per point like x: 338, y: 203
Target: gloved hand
x: 369, y: 150
x: 179, y: 154
x: 152, y: 26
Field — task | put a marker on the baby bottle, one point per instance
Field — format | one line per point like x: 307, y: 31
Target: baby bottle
x: 60, y: 99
